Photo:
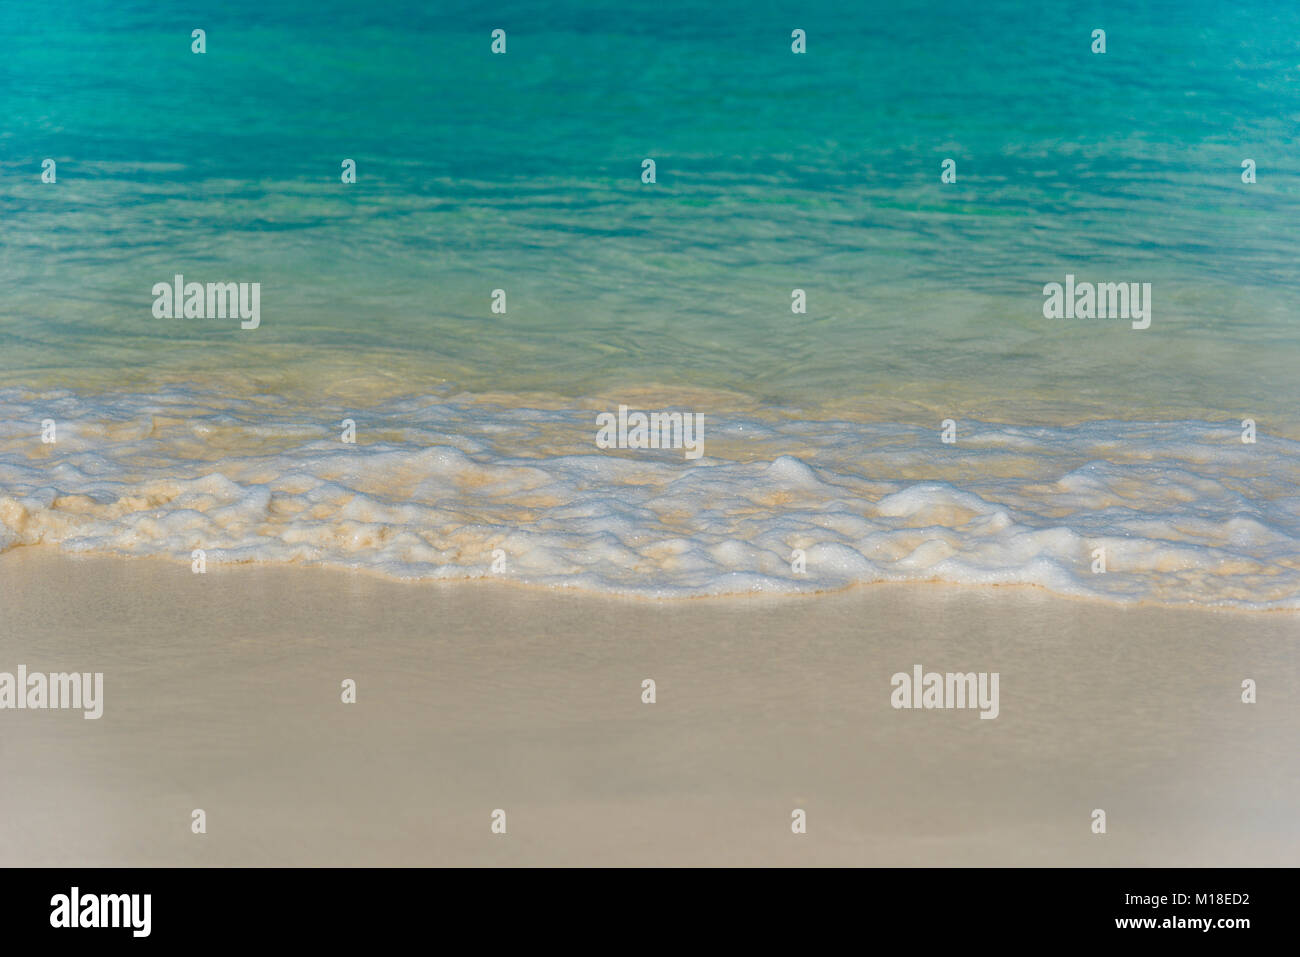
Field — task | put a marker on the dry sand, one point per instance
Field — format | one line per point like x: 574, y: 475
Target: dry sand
x: 222, y: 692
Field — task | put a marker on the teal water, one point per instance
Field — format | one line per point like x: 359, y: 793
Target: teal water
x: 775, y: 171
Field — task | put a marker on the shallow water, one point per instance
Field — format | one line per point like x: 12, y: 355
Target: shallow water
x: 522, y: 172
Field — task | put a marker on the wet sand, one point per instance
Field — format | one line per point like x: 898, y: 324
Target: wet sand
x: 222, y: 692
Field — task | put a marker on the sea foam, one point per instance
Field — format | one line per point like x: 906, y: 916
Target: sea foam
x: 446, y: 487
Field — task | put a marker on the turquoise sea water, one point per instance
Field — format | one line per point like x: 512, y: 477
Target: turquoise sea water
x: 775, y: 171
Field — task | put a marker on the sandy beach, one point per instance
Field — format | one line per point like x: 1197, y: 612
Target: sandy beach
x: 222, y: 692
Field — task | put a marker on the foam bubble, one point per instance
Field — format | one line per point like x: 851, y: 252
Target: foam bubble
x: 1184, y: 512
